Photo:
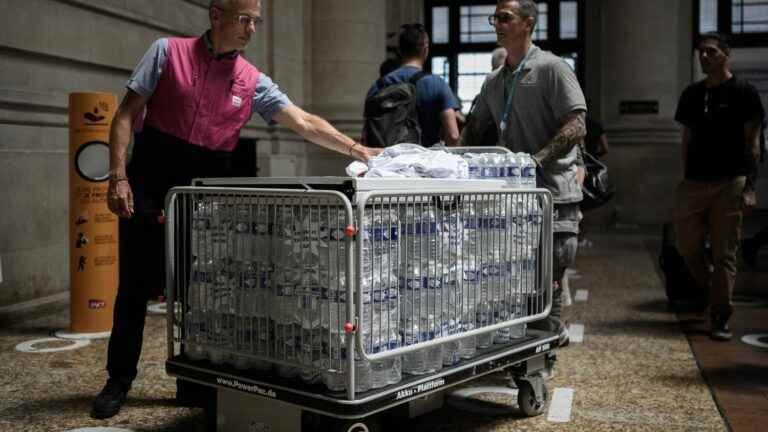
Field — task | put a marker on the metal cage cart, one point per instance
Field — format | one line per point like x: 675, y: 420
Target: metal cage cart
x: 318, y: 303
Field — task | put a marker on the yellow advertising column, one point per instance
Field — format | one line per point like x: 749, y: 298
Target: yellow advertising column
x: 93, y: 229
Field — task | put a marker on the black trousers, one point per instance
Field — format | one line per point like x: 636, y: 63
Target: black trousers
x: 159, y: 162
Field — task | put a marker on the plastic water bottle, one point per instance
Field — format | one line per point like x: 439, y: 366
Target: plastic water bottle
x: 262, y: 236
x: 503, y: 335
x: 200, y: 238
x: 415, y: 362
x: 421, y: 237
x: 387, y: 371
x: 512, y: 163
x: 288, y: 349
x: 310, y: 355
x: 488, y: 167
x: 468, y: 345
x: 527, y: 171
x: 223, y: 316
x: 519, y: 309
x: 474, y: 164
x: 336, y: 380
x: 450, y: 350
x: 500, y: 165
x: 484, y: 318
x: 283, y: 298
x: 242, y: 236
x: 196, y: 302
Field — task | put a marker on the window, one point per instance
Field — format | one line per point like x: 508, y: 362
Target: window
x: 440, y: 27
x: 569, y: 23
x: 708, y: 16
x: 473, y: 23
x: 462, y: 39
x: 744, y: 21
x: 542, y: 24
x: 442, y: 68
x: 749, y: 16
x: 473, y: 68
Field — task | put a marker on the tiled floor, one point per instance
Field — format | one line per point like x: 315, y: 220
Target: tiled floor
x: 634, y: 371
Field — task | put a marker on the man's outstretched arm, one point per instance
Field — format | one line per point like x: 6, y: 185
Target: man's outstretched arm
x: 317, y: 130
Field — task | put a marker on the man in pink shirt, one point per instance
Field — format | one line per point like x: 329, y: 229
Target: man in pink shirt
x: 192, y: 96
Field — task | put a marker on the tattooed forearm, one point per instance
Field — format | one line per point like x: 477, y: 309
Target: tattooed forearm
x: 571, y: 133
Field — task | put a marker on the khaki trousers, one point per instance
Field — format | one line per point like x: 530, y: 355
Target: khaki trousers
x: 714, y: 208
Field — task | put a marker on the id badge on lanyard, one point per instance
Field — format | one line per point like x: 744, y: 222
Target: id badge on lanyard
x: 510, y: 97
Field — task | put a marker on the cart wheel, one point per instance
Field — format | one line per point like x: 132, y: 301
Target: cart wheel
x: 370, y: 424
x: 325, y: 423
x: 526, y: 399
x: 357, y: 426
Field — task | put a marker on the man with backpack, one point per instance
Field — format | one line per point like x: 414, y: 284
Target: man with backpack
x: 408, y: 105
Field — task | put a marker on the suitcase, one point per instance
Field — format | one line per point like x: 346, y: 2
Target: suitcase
x: 683, y: 292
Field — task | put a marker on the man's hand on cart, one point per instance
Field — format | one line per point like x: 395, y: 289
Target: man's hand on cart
x: 120, y: 197
x: 364, y: 153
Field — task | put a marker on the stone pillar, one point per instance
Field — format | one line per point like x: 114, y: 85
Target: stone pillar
x: 348, y: 45
x: 646, y: 56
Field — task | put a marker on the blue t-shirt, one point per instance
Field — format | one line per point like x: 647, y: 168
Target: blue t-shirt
x: 434, y: 96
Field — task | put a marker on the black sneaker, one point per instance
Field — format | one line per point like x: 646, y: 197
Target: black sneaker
x: 108, y: 402
x: 719, y: 330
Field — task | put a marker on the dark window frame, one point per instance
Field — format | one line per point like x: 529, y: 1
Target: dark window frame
x: 454, y: 47
x: 725, y: 26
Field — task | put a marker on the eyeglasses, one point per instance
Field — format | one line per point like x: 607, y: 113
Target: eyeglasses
x: 244, y: 20
x: 247, y: 20
x: 502, y: 18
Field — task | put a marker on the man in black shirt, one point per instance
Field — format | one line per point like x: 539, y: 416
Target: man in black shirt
x: 721, y: 117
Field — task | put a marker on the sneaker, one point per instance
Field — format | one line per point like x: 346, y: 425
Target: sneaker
x: 108, y: 402
x: 719, y: 330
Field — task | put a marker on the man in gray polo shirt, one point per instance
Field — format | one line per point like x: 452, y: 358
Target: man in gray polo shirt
x: 537, y: 107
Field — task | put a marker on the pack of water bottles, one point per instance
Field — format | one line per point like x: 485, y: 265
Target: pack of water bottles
x: 518, y: 168
x: 269, y: 279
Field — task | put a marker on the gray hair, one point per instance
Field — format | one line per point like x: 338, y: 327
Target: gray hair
x: 526, y: 9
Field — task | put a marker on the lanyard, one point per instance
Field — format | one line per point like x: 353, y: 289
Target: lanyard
x: 510, y: 97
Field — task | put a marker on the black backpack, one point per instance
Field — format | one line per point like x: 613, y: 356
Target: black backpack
x: 391, y: 114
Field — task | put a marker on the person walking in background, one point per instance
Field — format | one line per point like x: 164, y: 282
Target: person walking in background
x: 721, y: 117
x: 536, y: 104
x: 436, y: 104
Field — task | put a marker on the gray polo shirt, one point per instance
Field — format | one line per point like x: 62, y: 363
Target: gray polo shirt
x: 547, y: 91
x: 268, y: 99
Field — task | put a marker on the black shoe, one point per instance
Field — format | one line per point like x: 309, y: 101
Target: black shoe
x: 108, y: 402
x: 719, y: 330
